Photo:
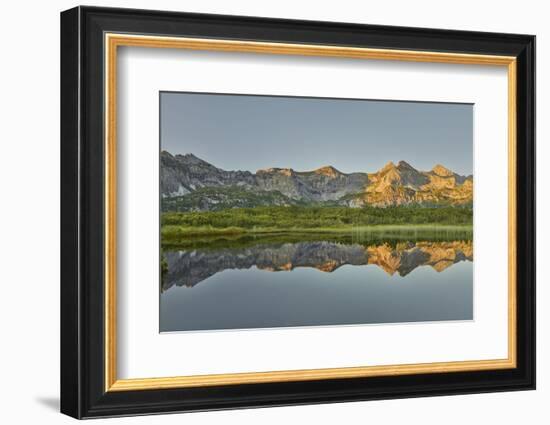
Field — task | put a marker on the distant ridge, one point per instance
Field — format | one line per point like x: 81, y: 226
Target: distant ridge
x: 189, y: 183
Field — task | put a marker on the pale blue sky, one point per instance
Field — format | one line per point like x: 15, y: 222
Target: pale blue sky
x: 241, y: 132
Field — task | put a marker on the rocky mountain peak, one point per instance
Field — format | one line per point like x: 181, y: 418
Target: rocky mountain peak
x: 328, y: 171
x: 389, y: 166
x: 283, y: 171
x: 440, y: 170
x: 403, y: 165
x: 191, y: 159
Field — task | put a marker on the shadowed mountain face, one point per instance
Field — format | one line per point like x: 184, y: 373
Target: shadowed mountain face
x: 189, y: 183
x: 190, y: 267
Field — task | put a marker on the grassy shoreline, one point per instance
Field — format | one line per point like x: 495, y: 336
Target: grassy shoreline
x: 185, y: 238
x: 190, y: 231
x: 270, y: 221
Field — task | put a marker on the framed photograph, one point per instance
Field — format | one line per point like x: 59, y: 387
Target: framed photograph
x: 261, y: 212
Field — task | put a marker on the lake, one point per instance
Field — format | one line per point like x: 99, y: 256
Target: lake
x: 284, y: 280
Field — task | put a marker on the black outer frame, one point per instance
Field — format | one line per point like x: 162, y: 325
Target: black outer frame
x: 82, y: 206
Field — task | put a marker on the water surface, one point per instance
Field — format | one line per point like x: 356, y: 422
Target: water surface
x: 314, y: 280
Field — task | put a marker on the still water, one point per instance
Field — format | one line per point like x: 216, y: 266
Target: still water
x: 266, y: 283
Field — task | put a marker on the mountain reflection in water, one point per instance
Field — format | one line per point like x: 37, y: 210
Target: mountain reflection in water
x: 189, y: 267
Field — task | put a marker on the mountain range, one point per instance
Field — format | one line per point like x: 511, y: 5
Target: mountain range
x: 188, y: 183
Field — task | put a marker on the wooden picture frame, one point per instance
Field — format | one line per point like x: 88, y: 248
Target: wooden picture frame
x: 90, y: 38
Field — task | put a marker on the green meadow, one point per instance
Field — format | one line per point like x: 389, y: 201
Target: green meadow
x: 400, y: 222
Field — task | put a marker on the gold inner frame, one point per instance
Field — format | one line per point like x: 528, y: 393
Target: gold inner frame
x: 113, y: 41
